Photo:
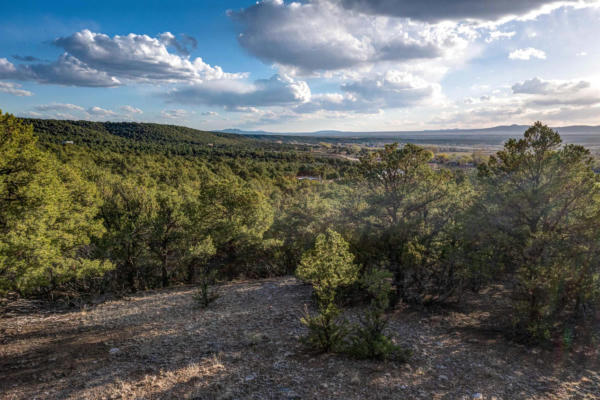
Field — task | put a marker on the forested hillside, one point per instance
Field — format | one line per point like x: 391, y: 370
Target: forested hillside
x: 129, y: 136
x: 90, y: 208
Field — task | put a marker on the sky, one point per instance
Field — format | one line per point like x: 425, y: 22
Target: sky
x: 283, y: 66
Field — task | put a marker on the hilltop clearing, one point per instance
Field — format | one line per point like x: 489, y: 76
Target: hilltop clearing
x: 159, y: 345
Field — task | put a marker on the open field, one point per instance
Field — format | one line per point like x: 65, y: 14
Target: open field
x: 158, y: 345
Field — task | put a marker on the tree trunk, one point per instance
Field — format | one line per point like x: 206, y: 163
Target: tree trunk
x: 191, y: 273
x: 131, y: 278
x: 165, y: 275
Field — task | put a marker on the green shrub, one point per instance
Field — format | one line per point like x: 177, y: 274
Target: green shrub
x: 368, y: 339
x: 327, y: 266
x: 199, y: 255
x: 205, y: 295
x: 325, y: 332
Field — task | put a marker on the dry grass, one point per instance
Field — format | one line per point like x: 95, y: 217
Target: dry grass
x: 245, y: 346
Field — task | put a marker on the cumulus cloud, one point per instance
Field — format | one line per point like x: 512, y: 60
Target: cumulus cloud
x: 438, y: 10
x: 98, y: 60
x: 527, y: 54
x: 181, y: 46
x: 370, y: 95
x: 529, y: 100
x: 276, y: 91
x: 137, y: 57
x: 67, y: 70
x: 334, y: 102
x: 101, y: 112
x: 322, y: 36
x: 393, y: 89
x: 76, y: 112
x: 478, y: 116
x: 131, y: 110
x: 540, y: 86
x: 174, y: 114
x: 63, y: 107
x: 31, y: 114
x: 496, y: 35
x: 540, y: 92
x: 13, y: 88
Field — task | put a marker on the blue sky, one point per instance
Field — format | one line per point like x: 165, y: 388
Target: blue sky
x: 302, y: 66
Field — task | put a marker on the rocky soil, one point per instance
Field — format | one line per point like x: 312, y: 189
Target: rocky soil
x: 159, y: 345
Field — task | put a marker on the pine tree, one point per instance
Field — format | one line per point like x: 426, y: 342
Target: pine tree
x: 537, y: 225
x: 368, y: 339
x: 327, y: 266
x: 47, y: 216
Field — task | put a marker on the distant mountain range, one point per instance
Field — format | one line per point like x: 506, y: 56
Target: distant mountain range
x: 508, y: 130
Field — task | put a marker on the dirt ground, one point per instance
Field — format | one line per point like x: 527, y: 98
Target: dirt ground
x: 158, y: 345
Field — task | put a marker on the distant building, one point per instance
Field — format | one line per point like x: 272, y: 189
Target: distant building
x: 309, y: 178
x: 67, y: 142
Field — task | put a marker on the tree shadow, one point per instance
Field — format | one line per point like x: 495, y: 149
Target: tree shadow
x: 245, y: 345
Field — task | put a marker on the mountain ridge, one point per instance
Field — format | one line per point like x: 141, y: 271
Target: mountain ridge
x: 500, y: 129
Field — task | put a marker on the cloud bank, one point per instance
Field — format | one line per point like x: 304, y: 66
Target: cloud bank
x: 439, y: 10
x: 97, y: 60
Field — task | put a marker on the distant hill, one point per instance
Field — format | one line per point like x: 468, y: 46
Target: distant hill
x: 509, y: 130
x: 173, y: 139
x: 588, y: 136
x: 95, y: 132
x: 145, y: 137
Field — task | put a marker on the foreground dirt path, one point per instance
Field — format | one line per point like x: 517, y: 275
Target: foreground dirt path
x: 158, y: 345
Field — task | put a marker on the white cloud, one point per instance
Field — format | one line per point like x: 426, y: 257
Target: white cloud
x: 334, y: 102
x: 65, y: 116
x: 496, y: 35
x: 66, y: 70
x: 540, y: 92
x: 58, y: 107
x: 540, y: 86
x: 393, y: 89
x: 99, y: 112
x: 174, y: 114
x: 138, y: 57
x: 31, y: 114
x: 98, y: 60
x: 527, y: 54
x: 323, y: 36
x: 275, y: 91
x: 131, y: 110
x: 553, y: 101
x: 13, y: 88
x: 77, y: 112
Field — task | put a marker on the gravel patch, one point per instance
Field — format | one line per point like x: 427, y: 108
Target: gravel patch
x: 159, y: 345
